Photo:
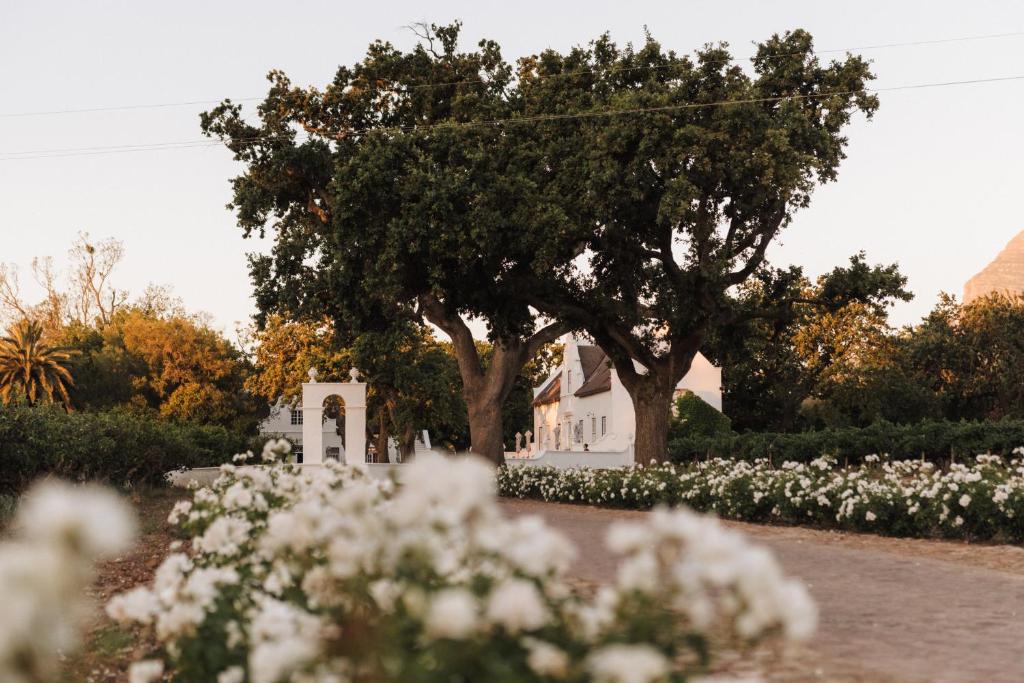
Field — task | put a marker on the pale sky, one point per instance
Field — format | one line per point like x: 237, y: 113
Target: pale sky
x: 932, y: 182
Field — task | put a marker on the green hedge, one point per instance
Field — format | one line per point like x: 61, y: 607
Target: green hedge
x: 937, y: 441
x: 118, y: 447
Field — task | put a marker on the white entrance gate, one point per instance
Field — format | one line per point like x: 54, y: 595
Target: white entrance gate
x: 314, y: 393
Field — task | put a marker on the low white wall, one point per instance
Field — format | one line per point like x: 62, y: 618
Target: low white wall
x: 564, y: 460
x: 206, y: 475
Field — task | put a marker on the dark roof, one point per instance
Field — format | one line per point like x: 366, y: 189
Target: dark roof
x: 550, y: 392
x: 590, y: 359
x: 599, y: 374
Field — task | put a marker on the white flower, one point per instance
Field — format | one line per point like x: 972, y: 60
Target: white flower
x: 234, y: 674
x: 544, y: 659
x: 179, y: 511
x: 628, y: 537
x: 180, y: 619
x: 276, y: 660
x: 517, y: 606
x: 452, y: 614
x: 627, y: 664
x: 237, y: 496
x: 85, y: 519
x: 146, y: 671
x: 275, y: 450
x: 965, y: 500
x: 224, y: 536
x: 138, y: 605
x: 870, y: 516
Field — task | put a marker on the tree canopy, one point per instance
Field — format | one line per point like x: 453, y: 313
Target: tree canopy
x: 624, y: 191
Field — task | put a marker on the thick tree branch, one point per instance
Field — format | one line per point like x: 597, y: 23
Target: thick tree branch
x: 462, y: 338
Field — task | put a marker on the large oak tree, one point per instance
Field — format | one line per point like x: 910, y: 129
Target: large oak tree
x: 390, y: 199
x: 678, y: 174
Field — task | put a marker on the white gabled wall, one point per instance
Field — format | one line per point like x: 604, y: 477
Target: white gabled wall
x: 615, y: 405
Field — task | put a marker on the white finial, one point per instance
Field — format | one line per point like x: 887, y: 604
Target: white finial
x: 312, y: 375
x: 354, y: 374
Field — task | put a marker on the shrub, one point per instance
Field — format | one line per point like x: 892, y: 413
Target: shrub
x: 695, y: 417
x: 981, y: 500
x: 119, y: 446
x: 937, y: 441
x: 326, y: 574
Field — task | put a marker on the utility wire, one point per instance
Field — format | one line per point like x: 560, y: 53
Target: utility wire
x: 597, y: 113
x: 565, y: 74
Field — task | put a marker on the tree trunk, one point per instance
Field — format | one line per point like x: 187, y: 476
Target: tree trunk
x: 382, y: 435
x: 408, y: 444
x: 485, y: 430
x: 485, y: 389
x: 652, y: 405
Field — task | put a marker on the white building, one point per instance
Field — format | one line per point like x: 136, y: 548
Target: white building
x: 584, y: 405
x: 287, y: 421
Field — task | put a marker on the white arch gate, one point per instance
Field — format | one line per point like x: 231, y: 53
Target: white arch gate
x: 314, y: 393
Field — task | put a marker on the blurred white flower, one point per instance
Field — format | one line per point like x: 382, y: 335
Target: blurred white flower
x: 452, y: 614
x: 628, y: 664
x: 146, y: 671
x: 516, y: 605
x: 86, y: 519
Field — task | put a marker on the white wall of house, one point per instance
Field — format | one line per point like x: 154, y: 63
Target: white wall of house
x: 286, y: 421
x: 609, y: 422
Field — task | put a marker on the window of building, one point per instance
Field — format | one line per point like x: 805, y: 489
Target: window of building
x: 604, y: 425
x: 297, y: 450
x: 593, y: 428
x: 296, y: 416
x: 333, y: 452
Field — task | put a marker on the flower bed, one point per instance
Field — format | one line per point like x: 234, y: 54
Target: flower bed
x: 983, y: 500
x: 325, y: 574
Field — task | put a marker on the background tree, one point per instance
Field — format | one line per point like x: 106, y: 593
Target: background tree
x: 971, y: 356
x: 776, y: 368
x: 394, y: 205
x: 30, y: 369
x: 678, y: 177
x: 413, y: 380
x: 86, y: 295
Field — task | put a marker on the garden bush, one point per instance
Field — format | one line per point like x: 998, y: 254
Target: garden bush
x: 979, y: 500
x: 120, y: 447
x: 327, y: 574
x: 940, y: 442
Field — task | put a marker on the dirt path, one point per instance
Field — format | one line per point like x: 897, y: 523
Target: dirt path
x: 891, y: 609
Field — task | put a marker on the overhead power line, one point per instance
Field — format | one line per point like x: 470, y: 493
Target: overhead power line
x: 591, y: 114
x: 566, y: 74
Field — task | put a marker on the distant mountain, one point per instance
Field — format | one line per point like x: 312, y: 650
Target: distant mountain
x: 1005, y: 274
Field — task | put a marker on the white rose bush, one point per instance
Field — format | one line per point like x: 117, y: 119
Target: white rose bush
x: 981, y: 500
x: 327, y: 574
x: 46, y: 568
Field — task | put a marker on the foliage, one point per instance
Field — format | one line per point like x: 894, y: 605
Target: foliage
x: 171, y: 363
x: 981, y: 500
x: 970, y: 357
x: 121, y: 447
x: 675, y: 201
x: 777, y: 371
x: 413, y: 382
x: 31, y: 370
x: 329, y: 574
x: 376, y: 222
x: 847, y: 368
x: 936, y: 441
x: 694, y: 417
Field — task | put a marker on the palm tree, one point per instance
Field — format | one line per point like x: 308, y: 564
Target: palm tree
x: 31, y: 368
